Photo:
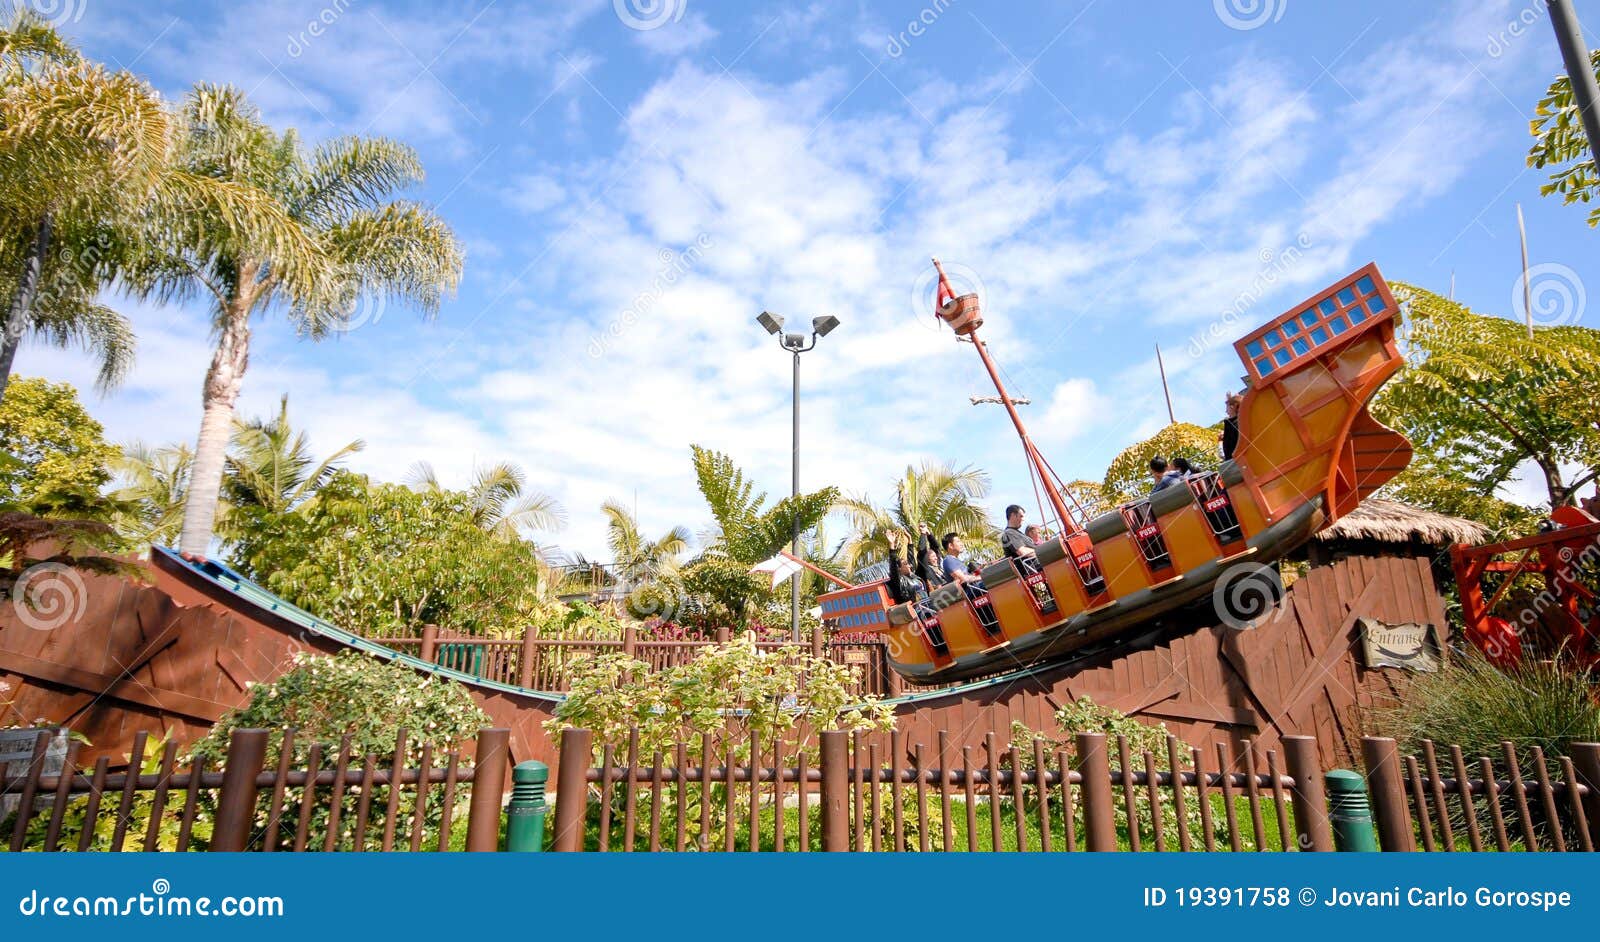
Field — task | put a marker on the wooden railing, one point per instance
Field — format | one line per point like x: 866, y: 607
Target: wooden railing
x: 547, y: 663
x: 878, y: 792
x: 1101, y: 794
x: 330, y: 800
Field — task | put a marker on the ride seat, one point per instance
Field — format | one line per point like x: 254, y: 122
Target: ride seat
x: 902, y: 615
x: 998, y: 573
x: 946, y: 596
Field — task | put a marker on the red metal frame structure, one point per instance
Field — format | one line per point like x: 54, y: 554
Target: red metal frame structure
x: 1564, y: 614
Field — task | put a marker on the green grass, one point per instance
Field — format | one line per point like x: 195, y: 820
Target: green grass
x: 982, y: 832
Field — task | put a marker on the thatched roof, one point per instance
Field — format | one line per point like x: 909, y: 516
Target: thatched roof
x: 1390, y: 521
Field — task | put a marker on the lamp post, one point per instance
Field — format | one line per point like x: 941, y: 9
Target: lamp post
x: 796, y: 344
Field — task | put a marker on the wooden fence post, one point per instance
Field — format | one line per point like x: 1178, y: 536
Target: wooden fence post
x: 819, y: 642
x: 488, y: 787
x: 530, y: 637
x: 1586, y: 762
x: 430, y: 643
x: 1099, y: 808
x: 1311, y: 827
x: 572, y: 788
x: 722, y: 634
x: 1382, y: 757
x: 835, y: 790
x: 236, y: 804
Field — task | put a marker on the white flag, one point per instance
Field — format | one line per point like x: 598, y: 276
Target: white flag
x: 781, y: 567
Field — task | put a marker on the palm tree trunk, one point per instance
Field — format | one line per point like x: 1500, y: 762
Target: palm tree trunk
x: 216, y: 428
x: 21, y: 309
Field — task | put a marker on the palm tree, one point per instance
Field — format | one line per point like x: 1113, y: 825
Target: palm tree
x: 349, y: 240
x: 636, y: 558
x: 153, y: 483
x: 501, y: 502
x: 87, y: 182
x: 80, y: 149
x: 271, y: 467
x: 944, y: 498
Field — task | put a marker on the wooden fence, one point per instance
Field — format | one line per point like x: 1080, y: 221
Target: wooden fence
x: 338, y: 800
x: 860, y: 793
x: 1100, y: 795
x: 546, y: 663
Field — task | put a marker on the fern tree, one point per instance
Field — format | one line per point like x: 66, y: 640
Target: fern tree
x: 347, y: 239
x: 747, y: 530
x: 270, y: 465
x: 1479, y: 399
x: 1559, y: 142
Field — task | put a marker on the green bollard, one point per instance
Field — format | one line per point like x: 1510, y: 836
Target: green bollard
x: 525, y: 813
x: 1349, y: 812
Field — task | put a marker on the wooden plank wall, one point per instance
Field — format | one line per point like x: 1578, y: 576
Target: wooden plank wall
x: 166, y: 660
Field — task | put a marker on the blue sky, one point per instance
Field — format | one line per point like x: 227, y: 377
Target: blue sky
x: 635, y: 180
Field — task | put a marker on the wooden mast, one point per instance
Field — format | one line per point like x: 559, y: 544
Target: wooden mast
x: 969, y: 328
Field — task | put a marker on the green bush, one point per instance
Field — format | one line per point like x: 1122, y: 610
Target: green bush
x: 355, y: 695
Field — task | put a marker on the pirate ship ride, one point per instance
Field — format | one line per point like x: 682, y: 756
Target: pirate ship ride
x: 1308, y: 452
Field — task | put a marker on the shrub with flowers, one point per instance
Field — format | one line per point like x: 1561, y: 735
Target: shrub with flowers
x: 356, y: 695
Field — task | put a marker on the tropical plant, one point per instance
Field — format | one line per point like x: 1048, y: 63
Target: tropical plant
x: 270, y: 465
x: 502, y: 504
x: 383, y: 559
x: 747, y: 531
x: 151, y: 484
x: 1128, y: 476
x: 1560, y: 142
x: 638, y: 559
x: 944, y: 498
x: 80, y: 149
x: 1479, y: 398
x: 88, y: 187
x: 347, y: 241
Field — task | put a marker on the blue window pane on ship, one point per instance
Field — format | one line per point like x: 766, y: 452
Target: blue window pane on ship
x: 1347, y: 297
x: 1357, y: 315
x: 1282, y: 357
x: 1271, y: 338
x: 1290, y: 328
x: 1263, y: 367
x: 1300, y: 346
x: 1309, y: 318
x: 1375, y: 305
x: 1327, y: 306
x: 1253, y: 348
x: 1338, y: 325
x: 1320, y: 335
x: 1365, y: 286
